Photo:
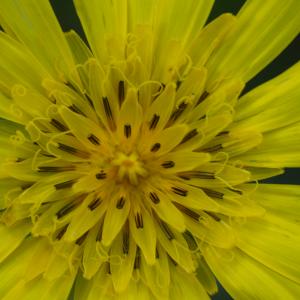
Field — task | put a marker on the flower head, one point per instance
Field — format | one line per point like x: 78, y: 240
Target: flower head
x: 130, y: 168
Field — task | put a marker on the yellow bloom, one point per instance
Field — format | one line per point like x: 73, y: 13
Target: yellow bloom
x: 130, y: 169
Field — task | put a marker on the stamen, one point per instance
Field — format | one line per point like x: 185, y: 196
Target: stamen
x: 213, y: 215
x: 177, y: 113
x: 154, y: 198
x: 168, y: 164
x: 137, y: 260
x: 222, y: 133
x: 179, y: 191
x: 190, y: 240
x: 75, y: 109
x: 121, y: 93
x: 67, y: 209
x: 235, y: 191
x: 101, y: 175
x: 178, y: 84
x: 80, y: 240
x: 189, y: 136
x: 166, y: 230
x: 202, y: 97
x: 90, y: 101
x: 62, y: 232
x: 95, y: 203
x: 73, y: 150
x: 58, y: 125
x: 156, y: 253
x: 139, y: 221
x: 50, y: 169
x: 64, y: 185
x: 212, y: 193
x: 196, y: 174
x: 155, y: 147
x: 126, y: 238
x: 154, y: 121
x: 127, y: 130
x: 213, y: 149
x: 120, y: 203
x: 107, y: 108
x: 187, y: 211
x: 99, y: 234
x: 94, y: 139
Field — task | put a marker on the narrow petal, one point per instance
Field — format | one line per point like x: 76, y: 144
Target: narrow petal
x: 258, y: 38
x: 30, y: 20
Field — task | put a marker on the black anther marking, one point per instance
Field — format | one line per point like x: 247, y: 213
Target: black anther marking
x: 127, y: 130
x: 154, y: 122
x: 212, y: 193
x: 95, y: 203
x: 189, y: 136
x: 120, y: 203
x: 65, y: 185
x: 155, y: 147
x: 189, y: 212
x: 139, y: 221
x: 121, y: 91
x: 179, y: 191
x: 202, y: 97
x: 168, y: 164
x: 94, y: 139
x: 101, y: 175
x: 58, y: 125
x: 154, y: 198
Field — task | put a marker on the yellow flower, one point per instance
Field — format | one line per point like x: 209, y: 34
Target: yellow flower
x: 130, y: 169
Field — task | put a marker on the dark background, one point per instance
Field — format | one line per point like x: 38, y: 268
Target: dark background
x: 68, y: 19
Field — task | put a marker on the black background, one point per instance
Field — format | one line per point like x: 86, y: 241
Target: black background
x: 68, y: 19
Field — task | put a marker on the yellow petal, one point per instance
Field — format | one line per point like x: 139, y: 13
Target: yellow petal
x: 258, y: 38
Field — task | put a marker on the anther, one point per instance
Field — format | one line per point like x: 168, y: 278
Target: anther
x: 187, y: 211
x: 58, y: 125
x: 107, y: 108
x: 154, y: 122
x: 94, y: 139
x: 213, y: 148
x: 179, y: 191
x: 101, y: 175
x: 139, y: 221
x: 76, y: 110
x: 212, y: 193
x: 62, y: 232
x: 155, y: 147
x: 50, y: 169
x: 120, y: 203
x: 189, y: 136
x: 190, y: 240
x: 202, y: 97
x: 213, y: 215
x: 154, y: 198
x: 166, y: 230
x: 127, y: 130
x: 67, y: 209
x: 121, y: 94
x: 73, y: 150
x: 65, y: 185
x: 196, y: 174
x: 95, y: 203
x: 168, y: 164
x: 100, y: 231
x: 80, y: 240
x: 126, y: 238
x: 137, y: 260
x: 177, y: 113
x: 178, y: 84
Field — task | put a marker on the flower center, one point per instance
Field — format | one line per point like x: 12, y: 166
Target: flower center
x: 129, y: 167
